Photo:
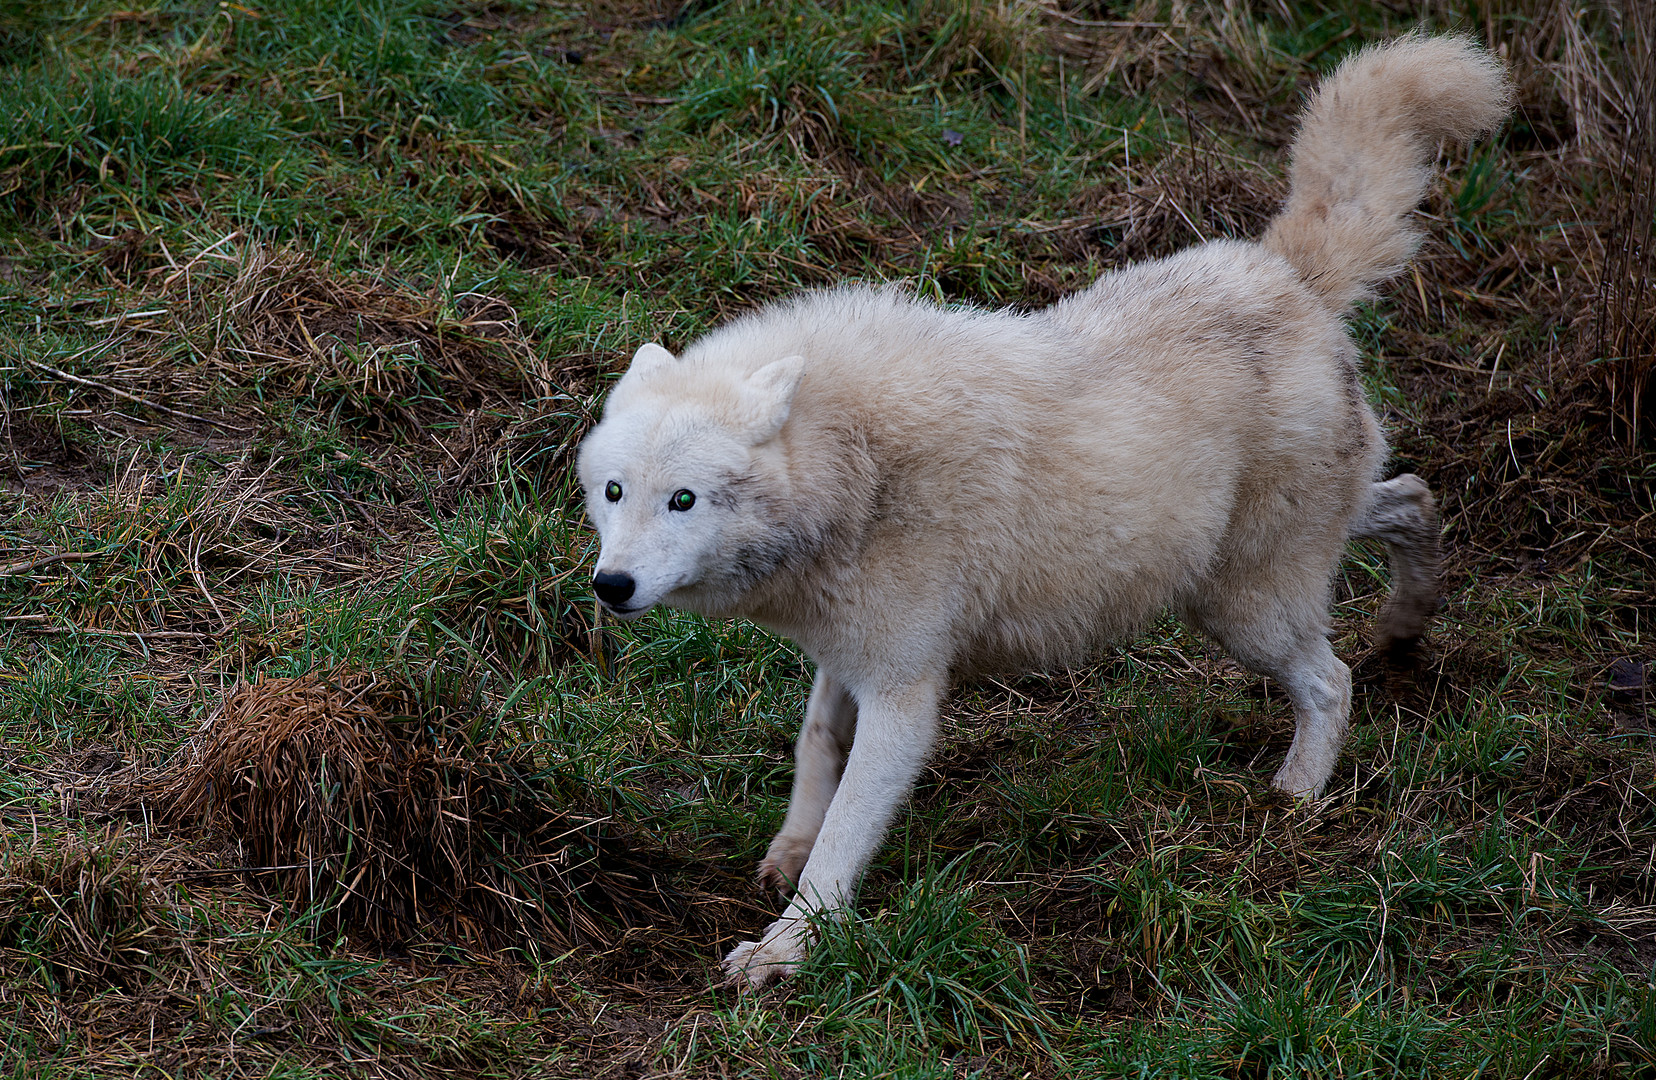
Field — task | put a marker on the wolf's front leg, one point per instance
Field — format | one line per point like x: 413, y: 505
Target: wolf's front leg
x: 819, y: 756
x: 894, y: 732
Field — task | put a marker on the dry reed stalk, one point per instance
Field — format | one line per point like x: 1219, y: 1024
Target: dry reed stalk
x: 1625, y: 314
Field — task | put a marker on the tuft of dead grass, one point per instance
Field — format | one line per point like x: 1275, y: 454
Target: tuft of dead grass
x: 342, y: 788
x: 377, y: 354
x: 80, y: 912
x: 188, y: 334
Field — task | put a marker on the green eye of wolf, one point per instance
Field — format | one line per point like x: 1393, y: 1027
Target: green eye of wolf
x: 612, y: 491
x: 683, y: 499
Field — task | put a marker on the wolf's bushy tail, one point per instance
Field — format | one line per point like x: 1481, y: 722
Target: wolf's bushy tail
x: 1362, y: 159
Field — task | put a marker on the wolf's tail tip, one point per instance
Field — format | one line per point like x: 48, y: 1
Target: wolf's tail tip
x: 1449, y: 85
x: 1360, y: 160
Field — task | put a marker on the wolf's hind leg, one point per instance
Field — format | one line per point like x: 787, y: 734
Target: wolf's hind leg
x: 1319, y: 685
x: 819, y: 758
x: 1287, y: 640
x: 1401, y: 514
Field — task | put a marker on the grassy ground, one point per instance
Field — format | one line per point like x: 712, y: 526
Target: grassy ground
x: 303, y: 306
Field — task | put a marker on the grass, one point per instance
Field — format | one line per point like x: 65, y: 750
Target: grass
x: 304, y: 308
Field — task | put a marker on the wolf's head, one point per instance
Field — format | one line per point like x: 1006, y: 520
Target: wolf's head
x: 684, y: 478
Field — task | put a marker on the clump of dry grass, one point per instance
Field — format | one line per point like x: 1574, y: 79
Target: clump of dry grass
x: 376, y: 353
x: 238, y: 314
x: 343, y: 787
x: 80, y: 912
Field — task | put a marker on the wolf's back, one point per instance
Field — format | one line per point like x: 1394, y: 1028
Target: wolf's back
x: 1363, y: 155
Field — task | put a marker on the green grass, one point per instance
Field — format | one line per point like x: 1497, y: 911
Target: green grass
x: 360, y: 274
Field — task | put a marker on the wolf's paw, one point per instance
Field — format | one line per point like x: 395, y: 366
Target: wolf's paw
x: 783, y: 863
x: 774, y: 956
x: 1402, y: 624
x: 1300, y: 779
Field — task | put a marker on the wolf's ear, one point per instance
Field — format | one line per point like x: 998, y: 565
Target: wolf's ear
x: 768, y: 395
x: 645, y: 362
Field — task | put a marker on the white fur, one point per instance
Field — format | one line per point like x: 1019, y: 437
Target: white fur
x: 913, y: 493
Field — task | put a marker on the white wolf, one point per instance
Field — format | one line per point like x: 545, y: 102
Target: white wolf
x: 914, y: 492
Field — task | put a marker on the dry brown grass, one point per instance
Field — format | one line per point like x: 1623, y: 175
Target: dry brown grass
x: 144, y: 941
x: 374, y: 351
x: 195, y: 332
x: 86, y: 909
x: 344, y: 787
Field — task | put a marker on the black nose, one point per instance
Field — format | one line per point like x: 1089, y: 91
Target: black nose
x: 613, y: 589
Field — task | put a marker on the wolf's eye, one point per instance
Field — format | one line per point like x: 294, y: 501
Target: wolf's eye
x: 612, y: 491
x: 683, y: 499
